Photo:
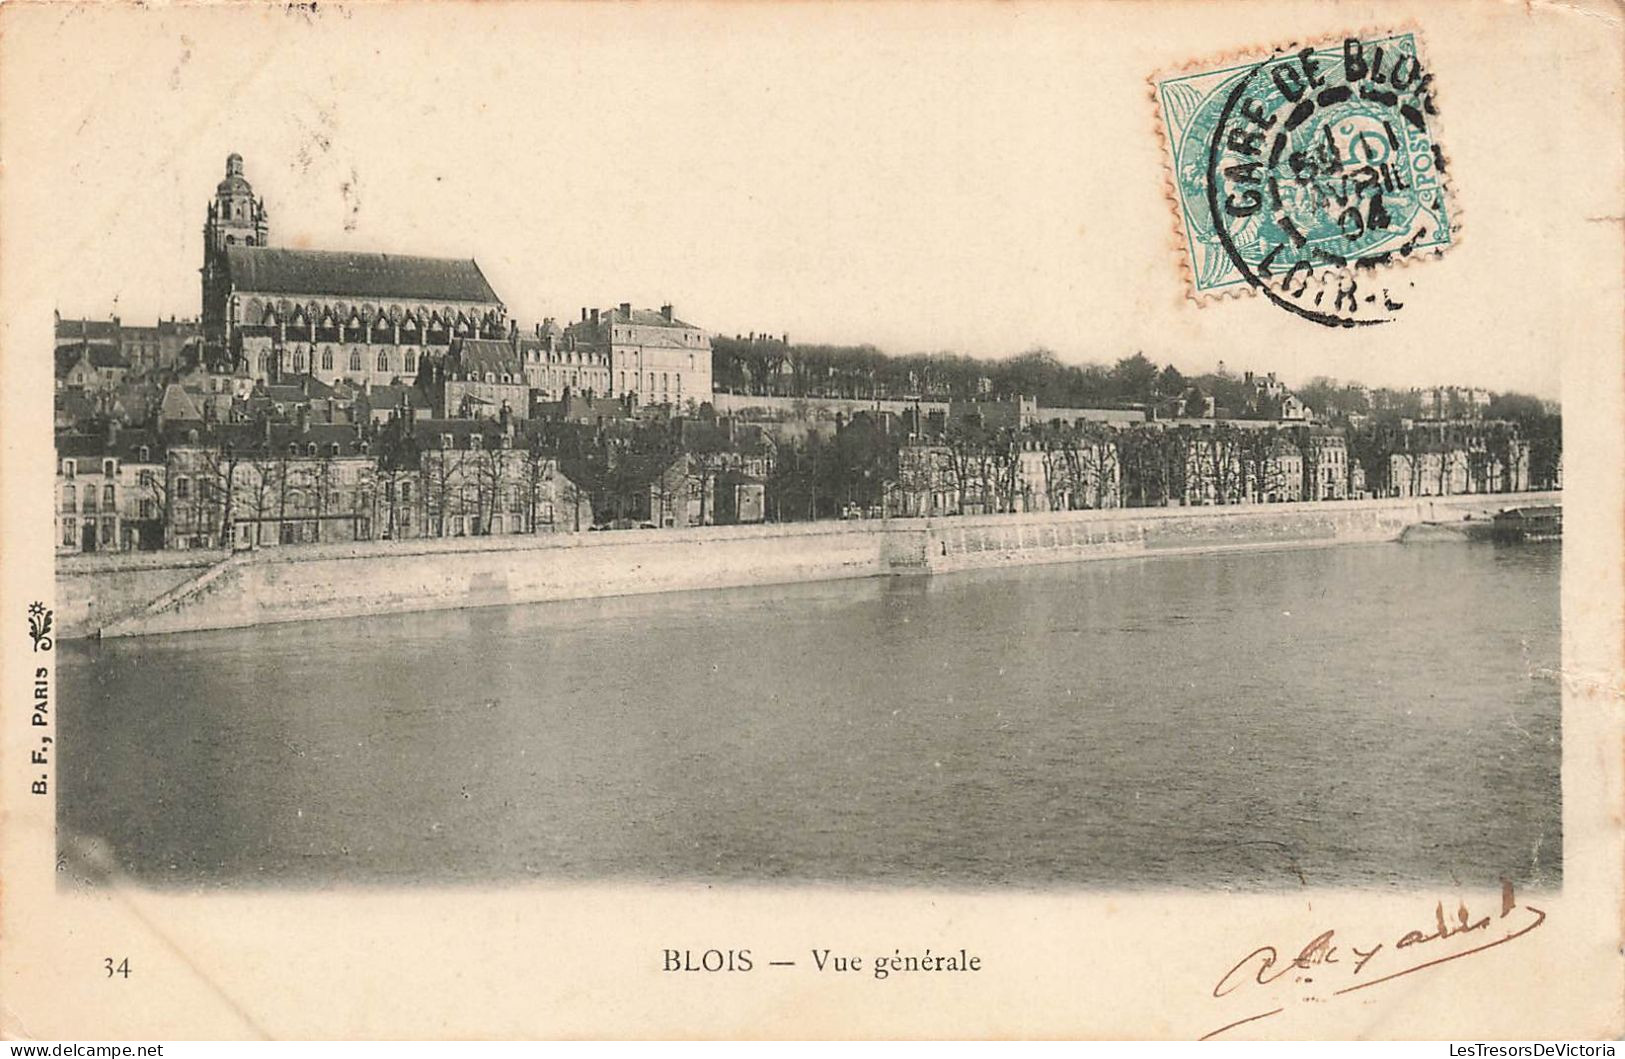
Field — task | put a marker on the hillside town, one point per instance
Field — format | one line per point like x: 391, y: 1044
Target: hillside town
x: 321, y: 397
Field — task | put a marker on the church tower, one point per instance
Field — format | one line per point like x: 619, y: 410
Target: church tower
x: 235, y: 218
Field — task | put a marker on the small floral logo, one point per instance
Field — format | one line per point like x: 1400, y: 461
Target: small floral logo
x: 39, y: 626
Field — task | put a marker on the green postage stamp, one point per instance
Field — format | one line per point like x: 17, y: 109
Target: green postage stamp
x: 1299, y: 172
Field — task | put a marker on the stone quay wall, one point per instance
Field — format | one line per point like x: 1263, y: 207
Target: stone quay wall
x: 161, y: 592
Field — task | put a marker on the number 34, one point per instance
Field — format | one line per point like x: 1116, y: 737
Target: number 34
x: 121, y: 968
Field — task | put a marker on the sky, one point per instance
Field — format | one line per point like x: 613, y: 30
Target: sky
x: 977, y: 179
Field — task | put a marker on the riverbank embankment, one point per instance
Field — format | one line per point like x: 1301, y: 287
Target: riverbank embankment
x: 138, y: 594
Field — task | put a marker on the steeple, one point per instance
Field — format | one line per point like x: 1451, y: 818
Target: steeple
x: 235, y: 218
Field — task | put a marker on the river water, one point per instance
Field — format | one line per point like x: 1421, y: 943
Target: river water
x: 1369, y: 716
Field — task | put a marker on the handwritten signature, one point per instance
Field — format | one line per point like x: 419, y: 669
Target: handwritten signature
x: 1329, y: 967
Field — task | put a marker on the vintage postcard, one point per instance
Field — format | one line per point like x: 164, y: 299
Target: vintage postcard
x: 742, y: 520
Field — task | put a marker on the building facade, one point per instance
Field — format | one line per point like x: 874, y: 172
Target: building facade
x: 653, y: 356
x: 556, y: 362
x: 477, y: 378
x: 108, y: 491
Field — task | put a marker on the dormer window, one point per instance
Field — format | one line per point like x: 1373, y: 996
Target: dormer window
x: 69, y: 468
x: 146, y: 454
x: 293, y: 448
x: 333, y: 449
x: 447, y: 442
x: 474, y: 441
x: 107, y: 468
x: 310, y: 449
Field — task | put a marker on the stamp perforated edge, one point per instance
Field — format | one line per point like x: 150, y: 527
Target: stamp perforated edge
x: 1257, y: 53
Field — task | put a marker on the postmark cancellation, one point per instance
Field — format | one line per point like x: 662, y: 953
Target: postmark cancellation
x: 1297, y: 172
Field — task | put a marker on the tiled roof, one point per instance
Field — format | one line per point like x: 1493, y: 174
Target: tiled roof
x: 646, y: 318
x: 126, y: 446
x: 251, y: 438
x: 429, y: 432
x: 177, y: 404
x: 392, y: 395
x: 99, y: 356
x: 586, y: 332
x: 106, y: 330
x: 476, y: 356
x: 306, y: 388
x: 275, y: 270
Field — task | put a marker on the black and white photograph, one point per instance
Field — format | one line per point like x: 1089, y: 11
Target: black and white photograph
x: 834, y: 521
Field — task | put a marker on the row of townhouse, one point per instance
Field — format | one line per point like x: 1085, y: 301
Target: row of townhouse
x: 1072, y: 470
x: 1453, y: 471
x: 267, y: 484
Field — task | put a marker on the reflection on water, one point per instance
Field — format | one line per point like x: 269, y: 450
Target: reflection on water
x: 1362, y: 716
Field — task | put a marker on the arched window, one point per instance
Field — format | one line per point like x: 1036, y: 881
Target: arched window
x: 355, y: 359
x: 665, y: 382
x: 623, y: 380
x: 327, y: 358
x: 383, y: 360
x: 651, y: 382
x: 411, y: 361
x: 70, y: 498
x: 298, y: 362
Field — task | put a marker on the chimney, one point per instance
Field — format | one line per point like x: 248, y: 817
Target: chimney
x: 595, y: 317
x: 583, y: 314
x: 505, y: 417
x: 626, y: 308
x: 302, y: 418
x: 112, y: 432
x: 665, y: 310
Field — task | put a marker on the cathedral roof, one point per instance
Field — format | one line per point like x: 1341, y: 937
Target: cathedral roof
x: 274, y: 270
